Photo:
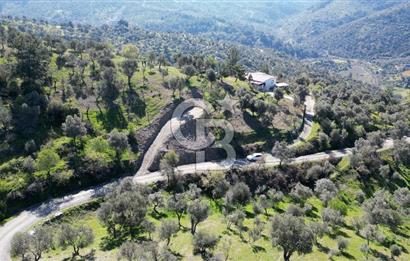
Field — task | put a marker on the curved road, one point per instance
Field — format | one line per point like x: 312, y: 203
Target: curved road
x: 31, y: 216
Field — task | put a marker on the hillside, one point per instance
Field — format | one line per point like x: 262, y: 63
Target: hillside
x: 248, y: 24
x: 91, y: 72
x: 166, y: 15
x: 353, y: 29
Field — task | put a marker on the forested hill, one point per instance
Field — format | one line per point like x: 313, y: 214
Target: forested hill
x: 165, y: 15
x: 248, y: 24
x: 353, y: 29
x: 167, y: 43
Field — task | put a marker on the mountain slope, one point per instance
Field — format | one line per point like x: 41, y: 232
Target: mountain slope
x: 164, y: 15
x: 385, y: 34
x: 237, y: 22
x: 356, y: 29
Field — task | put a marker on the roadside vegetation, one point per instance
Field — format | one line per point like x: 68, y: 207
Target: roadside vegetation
x: 334, y: 210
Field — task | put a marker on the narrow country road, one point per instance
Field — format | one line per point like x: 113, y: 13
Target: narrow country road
x: 31, y: 216
x: 308, y: 121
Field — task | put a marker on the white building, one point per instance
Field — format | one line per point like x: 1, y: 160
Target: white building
x: 262, y: 81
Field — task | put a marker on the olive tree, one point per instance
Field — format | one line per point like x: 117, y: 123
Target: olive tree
x: 332, y: 217
x: 168, y: 164
x: 124, y: 209
x: 178, y: 204
x: 73, y: 127
x: 238, y: 194
x: 381, y: 210
x: 264, y: 203
x: 236, y: 218
x: 402, y: 198
x: 77, y: 238
x: 342, y: 243
x: 282, y: 152
x: 402, y: 152
x: 326, y: 190
x: 130, y: 251
x: 292, y: 234
x: 129, y: 67
x: 203, y: 241
x: 198, y: 211
x: 157, y: 200
x: 319, y: 229
x: 20, y: 245
x: 256, y: 231
x: 167, y: 229
x: 395, y: 251
x: 301, y: 193
x: 35, y: 243
x: 370, y: 232
x: 119, y: 141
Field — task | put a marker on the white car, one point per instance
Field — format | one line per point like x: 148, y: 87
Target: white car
x: 254, y: 157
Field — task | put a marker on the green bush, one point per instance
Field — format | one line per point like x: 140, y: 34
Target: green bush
x: 339, y: 205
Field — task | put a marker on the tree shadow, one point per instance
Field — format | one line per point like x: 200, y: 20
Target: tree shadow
x: 249, y: 214
x: 277, y: 209
x: 341, y: 233
x: 378, y: 254
x: 108, y: 243
x: 400, y: 233
x: 312, y: 214
x: 137, y: 105
x: 257, y: 249
x: 348, y: 256
x: 227, y: 232
x: 321, y: 248
x: 227, y: 87
x: 158, y: 216
x: 113, y: 118
x: 176, y: 254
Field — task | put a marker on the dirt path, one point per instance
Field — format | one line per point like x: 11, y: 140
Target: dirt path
x: 163, y: 136
x: 308, y: 121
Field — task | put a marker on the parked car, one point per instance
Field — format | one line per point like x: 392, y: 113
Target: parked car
x: 254, y: 157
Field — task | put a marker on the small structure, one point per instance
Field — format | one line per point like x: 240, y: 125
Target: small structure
x: 283, y: 85
x: 262, y: 81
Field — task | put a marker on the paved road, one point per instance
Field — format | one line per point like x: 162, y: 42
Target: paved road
x: 31, y: 216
